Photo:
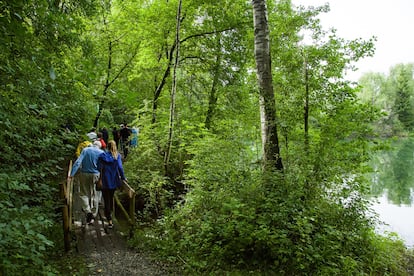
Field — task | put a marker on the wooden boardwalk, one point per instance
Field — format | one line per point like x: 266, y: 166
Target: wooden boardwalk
x: 105, y: 250
x: 97, y: 237
x: 97, y: 234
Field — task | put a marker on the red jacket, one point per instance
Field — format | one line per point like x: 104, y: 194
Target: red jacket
x: 102, y: 143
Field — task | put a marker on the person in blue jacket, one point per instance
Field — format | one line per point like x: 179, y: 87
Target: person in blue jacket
x: 112, y: 173
x: 134, y: 138
x: 87, y: 163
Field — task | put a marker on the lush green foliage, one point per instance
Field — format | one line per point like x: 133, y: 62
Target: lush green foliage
x: 235, y: 219
x: 37, y: 84
x: 77, y: 63
x: 309, y: 219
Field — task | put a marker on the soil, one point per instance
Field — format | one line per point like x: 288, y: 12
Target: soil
x: 105, y: 251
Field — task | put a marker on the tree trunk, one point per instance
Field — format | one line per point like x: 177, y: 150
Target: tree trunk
x: 109, y: 82
x: 173, y: 90
x: 106, y: 86
x: 306, y: 107
x: 157, y: 92
x: 271, y: 152
x: 212, y: 102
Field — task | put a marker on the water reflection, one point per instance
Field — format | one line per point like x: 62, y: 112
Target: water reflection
x: 393, y: 186
x: 394, y: 173
x: 398, y: 219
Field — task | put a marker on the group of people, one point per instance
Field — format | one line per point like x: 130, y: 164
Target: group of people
x: 125, y: 137
x: 97, y: 158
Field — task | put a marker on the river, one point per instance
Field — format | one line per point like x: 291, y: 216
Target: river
x: 392, y: 188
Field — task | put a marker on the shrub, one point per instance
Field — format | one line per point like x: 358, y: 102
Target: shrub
x: 236, y: 219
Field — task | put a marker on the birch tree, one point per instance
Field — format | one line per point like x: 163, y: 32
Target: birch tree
x: 271, y: 151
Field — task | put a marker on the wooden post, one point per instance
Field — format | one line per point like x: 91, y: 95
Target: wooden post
x: 66, y: 197
x: 69, y: 201
x: 118, y: 202
x: 132, y: 208
x: 65, y: 211
x: 131, y: 197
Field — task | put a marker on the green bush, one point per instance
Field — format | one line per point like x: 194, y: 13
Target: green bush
x: 23, y: 228
x: 145, y: 171
x: 235, y: 219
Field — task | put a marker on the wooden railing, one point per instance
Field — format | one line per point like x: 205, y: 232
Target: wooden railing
x: 66, y: 192
x: 130, y: 215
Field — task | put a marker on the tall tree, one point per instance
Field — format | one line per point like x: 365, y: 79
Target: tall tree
x: 173, y: 88
x: 403, y: 106
x: 271, y: 150
x: 393, y: 95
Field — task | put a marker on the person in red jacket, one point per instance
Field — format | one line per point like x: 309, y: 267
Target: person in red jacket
x: 101, y: 139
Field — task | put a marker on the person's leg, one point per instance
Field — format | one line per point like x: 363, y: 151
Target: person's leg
x: 96, y: 196
x: 108, y: 196
x: 107, y: 207
x: 77, y: 203
x: 96, y: 200
x: 121, y: 145
x: 85, y: 192
x: 126, y: 147
x: 111, y: 202
x: 111, y: 206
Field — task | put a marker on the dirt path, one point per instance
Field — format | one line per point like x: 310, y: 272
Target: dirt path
x: 106, y: 253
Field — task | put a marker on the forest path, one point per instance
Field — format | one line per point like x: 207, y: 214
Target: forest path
x: 106, y: 252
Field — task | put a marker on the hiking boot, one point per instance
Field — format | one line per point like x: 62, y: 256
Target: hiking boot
x: 110, y: 225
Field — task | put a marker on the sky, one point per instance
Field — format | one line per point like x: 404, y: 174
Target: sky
x: 391, y: 22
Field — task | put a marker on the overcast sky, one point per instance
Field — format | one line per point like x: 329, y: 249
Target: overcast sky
x: 392, y: 22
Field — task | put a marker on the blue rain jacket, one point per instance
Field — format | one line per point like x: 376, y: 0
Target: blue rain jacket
x: 112, y: 171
